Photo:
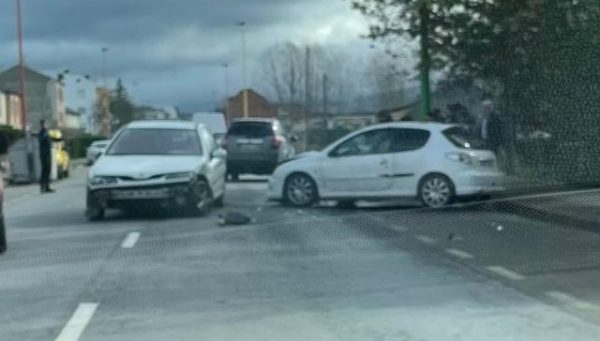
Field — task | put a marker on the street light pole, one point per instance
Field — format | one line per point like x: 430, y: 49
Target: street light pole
x: 104, y: 51
x: 23, y: 91
x: 22, y: 76
x: 226, y: 71
x: 244, y: 75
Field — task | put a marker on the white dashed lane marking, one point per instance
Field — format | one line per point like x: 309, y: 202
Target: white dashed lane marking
x: 506, y: 273
x: 425, y: 239
x: 79, y: 320
x: 571, y: 301
x: 459, y: 253
x: 130, y: 240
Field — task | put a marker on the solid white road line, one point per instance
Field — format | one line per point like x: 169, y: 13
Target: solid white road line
x: 77, y: 323
x: 425, y: 239
x: 130, y: 240
x: 459, y: 253
x: 571, y: 301
x: 506, y: 273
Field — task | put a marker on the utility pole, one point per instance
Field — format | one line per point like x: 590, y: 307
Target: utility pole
x: 104, y: 51
x: 327, y: 116
x: 307, y: 99
x: 226, y: 75
x: 23, y: 91
x: 244, y: 67
x: 424, y: 15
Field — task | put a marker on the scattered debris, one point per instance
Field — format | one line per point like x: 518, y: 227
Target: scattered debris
x: 234, y: 218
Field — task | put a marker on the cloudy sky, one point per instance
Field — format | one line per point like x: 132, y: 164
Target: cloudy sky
x: 170, y: 52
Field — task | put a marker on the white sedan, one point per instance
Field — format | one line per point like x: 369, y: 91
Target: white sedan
x: 95, y: 150
x: 433, y: 162
x: 173, y: 164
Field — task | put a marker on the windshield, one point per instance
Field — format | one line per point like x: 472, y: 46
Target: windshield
x: 250, y: 129
x: 156, y: 142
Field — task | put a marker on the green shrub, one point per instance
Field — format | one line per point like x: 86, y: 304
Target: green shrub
x: 77, y: 145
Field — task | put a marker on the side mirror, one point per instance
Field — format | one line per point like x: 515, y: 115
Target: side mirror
x: 219, y: 153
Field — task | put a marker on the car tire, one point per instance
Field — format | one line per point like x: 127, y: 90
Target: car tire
x: 200, y: 200
x: 300, y: 190
x: 220, y: 201
x: 234, y: 177
x: 436, y: 190
x: 3, y: 243
x: 94, y: 211
x: 346, y: 204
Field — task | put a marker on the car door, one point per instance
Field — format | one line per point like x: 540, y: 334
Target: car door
x: 408, y: 160
x: 359, y: 166
x: 215, y: 167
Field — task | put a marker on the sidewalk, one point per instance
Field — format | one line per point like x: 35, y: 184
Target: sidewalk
x: 575, y: 209
x: 18, y: 192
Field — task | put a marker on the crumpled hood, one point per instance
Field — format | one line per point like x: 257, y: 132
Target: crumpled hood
x: 144, y: 166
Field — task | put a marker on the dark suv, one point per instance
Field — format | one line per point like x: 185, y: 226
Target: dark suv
x: 256, y: 146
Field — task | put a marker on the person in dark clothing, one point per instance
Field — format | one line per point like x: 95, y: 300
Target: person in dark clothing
x: 491, y: 127
x: 45, y: 143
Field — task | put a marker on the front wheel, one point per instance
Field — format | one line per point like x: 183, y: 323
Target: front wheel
x: 200, y: 199
x: 436, y: 191
x: 94, y: 210
x: 300, y: 190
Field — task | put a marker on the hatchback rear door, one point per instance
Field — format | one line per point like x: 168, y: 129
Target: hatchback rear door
x: 250, y: 140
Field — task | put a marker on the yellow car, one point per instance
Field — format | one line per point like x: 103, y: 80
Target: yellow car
x: 63, y: 159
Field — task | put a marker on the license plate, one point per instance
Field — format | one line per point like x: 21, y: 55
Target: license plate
x: 249, y: 147
x: 140, y: 194
x: 250, y: 141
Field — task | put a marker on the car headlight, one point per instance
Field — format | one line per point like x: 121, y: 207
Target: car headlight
x: 102, y: 180
x: 179, y: 176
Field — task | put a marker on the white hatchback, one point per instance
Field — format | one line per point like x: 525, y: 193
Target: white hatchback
x: 433, y: 162
x: 173, y: 164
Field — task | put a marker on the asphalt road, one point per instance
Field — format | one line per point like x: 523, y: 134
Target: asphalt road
x: 376, y: 273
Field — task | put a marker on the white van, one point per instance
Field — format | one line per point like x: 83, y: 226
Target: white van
x: 215, y: 122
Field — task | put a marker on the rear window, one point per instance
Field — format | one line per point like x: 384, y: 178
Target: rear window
x: 409, y: 139
x: 463, y: 138
x: 251, y: 129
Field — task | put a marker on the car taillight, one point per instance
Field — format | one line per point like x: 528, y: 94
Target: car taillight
x: 463, y: 158
x: 277, y: 141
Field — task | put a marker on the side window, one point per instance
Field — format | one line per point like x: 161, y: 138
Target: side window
x: 409, y: 139
x: 371, y: 142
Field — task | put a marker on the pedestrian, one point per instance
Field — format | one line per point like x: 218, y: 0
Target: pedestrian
x: 45, y: 143
x: 492, y: 130
x: 436, y: 116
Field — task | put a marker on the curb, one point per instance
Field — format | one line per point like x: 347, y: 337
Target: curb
x: 569, y: 221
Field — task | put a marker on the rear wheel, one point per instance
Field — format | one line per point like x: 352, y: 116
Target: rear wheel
x: 94, y: 210
x: 2, y: 237
x: 346, y: 204
x: 436, y: 191
x: 300, y: 190
x: 233, y: 176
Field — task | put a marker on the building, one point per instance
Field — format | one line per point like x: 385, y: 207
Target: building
x: 147, y: 112
x: 10, y: 109
x: 81, y: 95
x: 74, y: 121
x: 45, y: 96
x: 258, y: 106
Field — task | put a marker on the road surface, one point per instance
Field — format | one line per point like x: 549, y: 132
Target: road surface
x: 387, y: 273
